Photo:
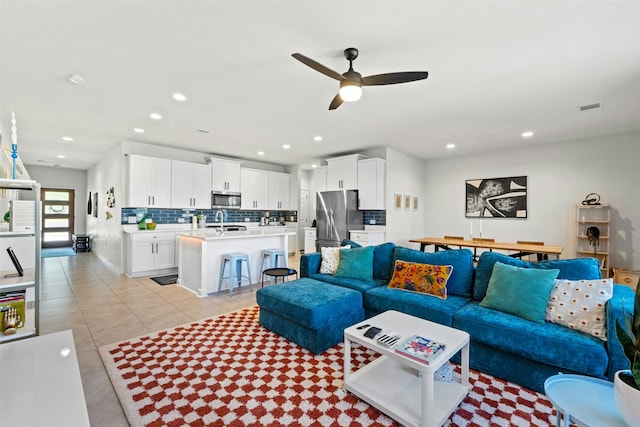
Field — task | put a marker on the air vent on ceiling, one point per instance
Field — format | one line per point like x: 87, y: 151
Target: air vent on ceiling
x: 589, y: 106
x: 202, y: 131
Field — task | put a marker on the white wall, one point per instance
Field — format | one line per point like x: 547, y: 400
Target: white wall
x: 63, y: 178
x: 106, y: 234
x: 404, y: 175
x: 559, y: 176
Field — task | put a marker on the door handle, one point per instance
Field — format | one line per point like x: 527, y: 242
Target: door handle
x: 153, y: 199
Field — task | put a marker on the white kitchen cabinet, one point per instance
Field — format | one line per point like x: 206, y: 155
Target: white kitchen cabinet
x: 190, y: 185
x: 150, y: 252
x: 309, y: 240
x: 149, y: 182
x: 367, y: 237
x: 342, y: 172
x: 255, y: 189
x: 371, y: 184
x: 225, y: 175
x: 278, y: 191
x: 318, y: 184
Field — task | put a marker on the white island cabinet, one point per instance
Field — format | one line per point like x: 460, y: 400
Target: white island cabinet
x: 200, y: 254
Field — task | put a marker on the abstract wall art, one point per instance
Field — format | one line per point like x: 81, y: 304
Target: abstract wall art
x: 497, y: 197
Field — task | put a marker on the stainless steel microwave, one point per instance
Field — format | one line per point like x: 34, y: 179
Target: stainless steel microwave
x: 225, y: 200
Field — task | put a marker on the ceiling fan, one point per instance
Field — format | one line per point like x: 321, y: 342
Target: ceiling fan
x: 351, y: 82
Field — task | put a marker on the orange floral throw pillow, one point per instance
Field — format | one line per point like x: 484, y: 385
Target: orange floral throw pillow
x: 422, y: 278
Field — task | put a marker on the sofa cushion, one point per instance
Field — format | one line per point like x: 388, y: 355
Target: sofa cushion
x: 330, y: 259
x: 383, y: 260
x: 380, y: 299
x: 580, y: 304
x: 461, y: 279
x: 421, y: 278
x: 356, y: 263
x: 523, y: 292
x: 570, y: 269
x: 355, y: 284
x: 547, y: 343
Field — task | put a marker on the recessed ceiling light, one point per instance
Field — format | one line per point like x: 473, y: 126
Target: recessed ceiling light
x: 314, y: 166
x: 60, y: 156
x: 179, y: 97
x: 67, y: 139
x: 317, y: 138
x: 260, y: 153
x: 450, y: 146
x: 286, y: 146
x: 527, y: 134
x: 76, y: 79
x: 138, y: 130
x: 155, y: 116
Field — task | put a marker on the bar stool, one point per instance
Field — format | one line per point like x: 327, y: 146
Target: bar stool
x: 272, y: 256
x: 235, y: 260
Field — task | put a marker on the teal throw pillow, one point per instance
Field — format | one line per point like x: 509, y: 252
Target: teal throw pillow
x: 356, y: 263
x: 523, y: 292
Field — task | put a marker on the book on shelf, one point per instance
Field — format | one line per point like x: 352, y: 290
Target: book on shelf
x: 421, y: 349
x: 15, y: 300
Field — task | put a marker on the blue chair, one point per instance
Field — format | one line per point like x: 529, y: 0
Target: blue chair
x: 235, y: 260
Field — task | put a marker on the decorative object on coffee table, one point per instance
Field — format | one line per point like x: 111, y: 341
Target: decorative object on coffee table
x: 627, y: 383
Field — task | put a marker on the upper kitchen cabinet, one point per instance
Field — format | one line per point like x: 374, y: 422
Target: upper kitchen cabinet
x: 149, y: 182
x: 225, y: 175
x: 278, y: 191
x: 255, y: 189
x: 342, y: 172
x: 191, y: 185
x: 371, y: 186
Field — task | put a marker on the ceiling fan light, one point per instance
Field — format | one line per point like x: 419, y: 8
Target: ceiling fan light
x: 350, y: 91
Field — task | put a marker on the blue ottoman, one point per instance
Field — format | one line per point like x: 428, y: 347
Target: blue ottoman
x: 311, y: 313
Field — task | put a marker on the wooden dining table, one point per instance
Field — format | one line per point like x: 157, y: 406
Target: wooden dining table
x: 519, y: 249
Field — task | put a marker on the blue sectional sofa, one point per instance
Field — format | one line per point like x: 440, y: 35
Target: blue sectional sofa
x: 502, y: 344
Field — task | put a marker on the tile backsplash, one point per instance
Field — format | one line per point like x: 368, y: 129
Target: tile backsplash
x: 171, y: 216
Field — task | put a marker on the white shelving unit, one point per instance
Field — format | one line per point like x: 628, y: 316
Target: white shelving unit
x: 26, y: 245
x: 594, y: 216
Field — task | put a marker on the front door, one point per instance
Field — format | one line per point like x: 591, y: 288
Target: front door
x: 57, y: 217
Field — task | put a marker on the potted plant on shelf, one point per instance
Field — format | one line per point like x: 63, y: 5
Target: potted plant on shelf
x: 627, y: 382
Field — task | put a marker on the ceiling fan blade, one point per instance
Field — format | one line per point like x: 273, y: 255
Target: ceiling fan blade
x: 318, y: 67
x: 336, y: 102
x: 393, y: 78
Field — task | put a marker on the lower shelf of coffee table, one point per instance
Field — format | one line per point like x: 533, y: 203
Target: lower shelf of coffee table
x: 395, y: 389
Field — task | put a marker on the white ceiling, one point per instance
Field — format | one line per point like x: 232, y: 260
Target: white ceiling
x: 495, y: 70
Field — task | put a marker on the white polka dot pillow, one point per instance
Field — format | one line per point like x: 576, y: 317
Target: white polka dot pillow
x: 331, y: 259
x: 580, y: 304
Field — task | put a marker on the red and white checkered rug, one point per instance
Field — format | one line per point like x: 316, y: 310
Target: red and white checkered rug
x: 229, y: 370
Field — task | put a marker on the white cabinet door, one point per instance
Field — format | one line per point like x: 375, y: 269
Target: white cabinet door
x: 149, y: 182
x: 309, y: 240
x: 165, y: 253
x: 181, y: 184
x: 278, y: 191
x: 342, y: 173
x: 190, y: 186
x: 225, y: 175
x: 255, y: 189
x: 201, y: 186
x: 142, y: 255
x: 371, y: 184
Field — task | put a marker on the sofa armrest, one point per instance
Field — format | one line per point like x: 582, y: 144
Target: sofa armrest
x: 310, y: 264
x: 623, y: 296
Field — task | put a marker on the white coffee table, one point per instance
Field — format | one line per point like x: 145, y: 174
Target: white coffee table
x: 582, y: 400
x: 400, y: 387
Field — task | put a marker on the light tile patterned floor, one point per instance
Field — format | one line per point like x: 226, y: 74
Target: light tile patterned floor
x: 102, y: 306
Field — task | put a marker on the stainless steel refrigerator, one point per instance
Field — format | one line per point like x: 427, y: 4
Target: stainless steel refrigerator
x: 336, y: 213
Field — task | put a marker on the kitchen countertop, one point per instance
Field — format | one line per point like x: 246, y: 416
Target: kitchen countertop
x: 204, y: 234
x: 186, y: 227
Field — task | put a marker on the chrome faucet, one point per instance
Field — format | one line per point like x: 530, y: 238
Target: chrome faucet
x: 215, y: 219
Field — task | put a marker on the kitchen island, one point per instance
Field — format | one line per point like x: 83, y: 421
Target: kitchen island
x: 200, y: 253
